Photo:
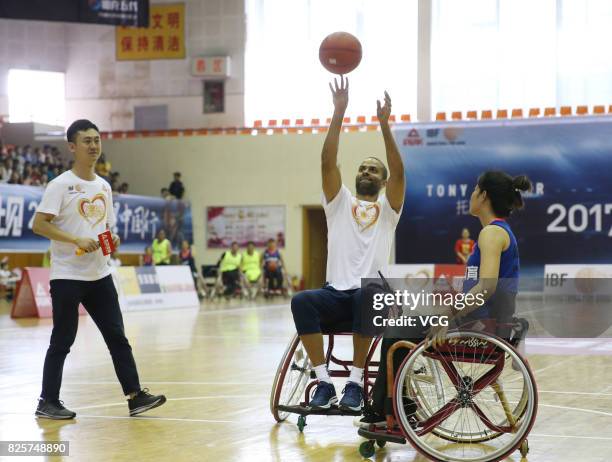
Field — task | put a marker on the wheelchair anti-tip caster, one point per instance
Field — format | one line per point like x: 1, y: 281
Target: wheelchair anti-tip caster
x: 301, y: 423
x: 366, y: 449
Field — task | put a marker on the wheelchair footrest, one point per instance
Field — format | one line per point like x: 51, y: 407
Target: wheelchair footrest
x: 382, y: 435
x: 306, y: 410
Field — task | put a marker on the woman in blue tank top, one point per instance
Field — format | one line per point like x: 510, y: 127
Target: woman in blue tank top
x: 492, y: 270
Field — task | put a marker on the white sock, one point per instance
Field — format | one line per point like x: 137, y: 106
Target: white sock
x: 322, y: 374
x: 356, y: 375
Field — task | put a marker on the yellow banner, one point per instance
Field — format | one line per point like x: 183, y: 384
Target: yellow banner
x: 163, y: 39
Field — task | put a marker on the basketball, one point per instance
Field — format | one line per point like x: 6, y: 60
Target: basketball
x: 272, y: 265
x: 340, y: 52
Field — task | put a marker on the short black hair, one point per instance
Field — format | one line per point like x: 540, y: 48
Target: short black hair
x: 385, y: 172
x: 177, y: 173
x: 235, y: 242
x: 79, y: 126
x: 250, y: 242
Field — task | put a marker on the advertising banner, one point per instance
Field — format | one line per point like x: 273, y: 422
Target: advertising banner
x: 243, y: 224
x: 568, y: 215
x: 114, y: 12
x: 139, y: 218
x: 155, y: 288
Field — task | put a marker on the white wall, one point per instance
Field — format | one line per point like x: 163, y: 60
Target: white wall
x: 240, y: 170
x: 106, y: 91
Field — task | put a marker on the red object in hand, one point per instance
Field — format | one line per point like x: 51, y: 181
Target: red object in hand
x: 106, y: 242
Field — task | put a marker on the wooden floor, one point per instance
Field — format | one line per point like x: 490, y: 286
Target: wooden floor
x: 216, y: 366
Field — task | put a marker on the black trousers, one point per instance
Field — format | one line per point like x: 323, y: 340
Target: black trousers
x: 231, y: 281
x: 275, y: 279
x: 101, y: 302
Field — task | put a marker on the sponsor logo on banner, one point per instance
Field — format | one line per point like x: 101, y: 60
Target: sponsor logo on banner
x: 162, y: 287
x: 128, y: 280
x: 147, y: 280
x: 413, y: 138
x: 577, y: 279
x: 452, y: 136
x: 416, y: 276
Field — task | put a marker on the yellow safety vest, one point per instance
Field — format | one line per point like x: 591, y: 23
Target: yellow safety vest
x: 161, y: 251
x: 230, y: 262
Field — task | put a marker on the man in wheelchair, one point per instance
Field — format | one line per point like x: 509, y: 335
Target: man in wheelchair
x: 492, y: 273
x: 360, y: 234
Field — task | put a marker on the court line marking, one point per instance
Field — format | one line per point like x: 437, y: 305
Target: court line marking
x: 169, y: 383
x: 566, y: 392
x: 177, y: 419
x: 567, y: 408
x: 539, y: 371
x: 188, y: 398
x: 542, y: 435
x: 201, y: 312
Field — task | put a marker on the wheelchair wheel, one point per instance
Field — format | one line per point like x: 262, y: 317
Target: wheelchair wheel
x: 475, y: 392
x: 427, y: 385
x: 292, y: 376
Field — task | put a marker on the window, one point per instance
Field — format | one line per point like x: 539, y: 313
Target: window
x: 283, y: 75
x: 509, y: 54
x: 36, y: 96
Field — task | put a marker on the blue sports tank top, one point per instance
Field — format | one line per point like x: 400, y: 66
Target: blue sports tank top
x: 502, y: 304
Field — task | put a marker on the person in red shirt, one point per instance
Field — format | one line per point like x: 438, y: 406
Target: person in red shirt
x: 464, y: 247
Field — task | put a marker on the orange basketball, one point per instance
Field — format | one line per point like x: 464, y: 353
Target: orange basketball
x: 272, y: 265
x: 340, y: 52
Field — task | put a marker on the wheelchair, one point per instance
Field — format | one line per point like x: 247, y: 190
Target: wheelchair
x: 295, y: 377
x: 474, y: 398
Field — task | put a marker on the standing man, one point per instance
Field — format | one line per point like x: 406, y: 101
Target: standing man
x: 176, y: 187
x: 76, y: 207
x: 360, y: 234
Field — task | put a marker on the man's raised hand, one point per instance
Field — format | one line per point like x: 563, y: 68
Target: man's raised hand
x: 340, y: 93
x: 383, y: 112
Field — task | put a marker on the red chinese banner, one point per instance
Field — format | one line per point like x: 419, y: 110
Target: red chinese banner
x: 163, y: 39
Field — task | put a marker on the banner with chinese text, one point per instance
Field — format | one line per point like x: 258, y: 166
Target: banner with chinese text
x: 567, y: 217
x: 139, y: 218
x: 163, y: 39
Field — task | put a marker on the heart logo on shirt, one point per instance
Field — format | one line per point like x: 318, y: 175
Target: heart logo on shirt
x: 93, y: 210
x: 365, y: 215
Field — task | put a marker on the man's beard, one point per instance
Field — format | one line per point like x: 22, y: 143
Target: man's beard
x: 366, y: 188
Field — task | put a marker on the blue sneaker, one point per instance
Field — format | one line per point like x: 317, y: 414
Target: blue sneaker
x: 353, y: 397
x: 324, y: 396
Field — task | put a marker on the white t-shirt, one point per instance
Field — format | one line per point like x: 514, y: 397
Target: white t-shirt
x: 359, y: 238
x: 83, y: 209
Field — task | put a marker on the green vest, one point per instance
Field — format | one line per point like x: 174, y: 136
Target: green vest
x: 161, y: 252
x: 230, y: 262
x: 251, y: 262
